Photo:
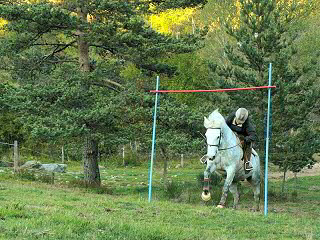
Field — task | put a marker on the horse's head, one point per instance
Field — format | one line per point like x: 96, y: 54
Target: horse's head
x: 214, y: 125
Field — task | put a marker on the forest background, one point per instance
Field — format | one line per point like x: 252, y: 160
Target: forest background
x: 78, y: 74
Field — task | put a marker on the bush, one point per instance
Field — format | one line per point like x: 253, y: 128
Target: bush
x: 80, y: 183
x: 130, y: 159
x: 173, y: 190
x: 26, y: 175
x: 46, y: 177
x: 36, y: 175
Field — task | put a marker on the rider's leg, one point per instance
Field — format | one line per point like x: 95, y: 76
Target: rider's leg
x: 247, y: 151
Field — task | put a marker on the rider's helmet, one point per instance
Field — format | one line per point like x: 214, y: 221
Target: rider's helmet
x: 241, y: 115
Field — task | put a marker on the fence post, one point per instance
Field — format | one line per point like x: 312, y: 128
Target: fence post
x: 62, y: 154
x: 181, y: 163
x: 15, y: 156
x: 123, y: 153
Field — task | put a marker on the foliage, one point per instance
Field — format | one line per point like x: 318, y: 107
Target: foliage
x: 11, y: 128
x: 35, y: 175
x: 42, y: 35
x: 192, y: 73
x: 266, y: 34
x: 61, y: 108
x: 170, y: 22
x: 123, y: 35
x: 2, y: 23
x: 65, y: 93
x: 177, y: 125
x: 57, y: 102
x: 132, y: 159
x: 293, y: 148
x: 26, y: 175
x: 173, y: 190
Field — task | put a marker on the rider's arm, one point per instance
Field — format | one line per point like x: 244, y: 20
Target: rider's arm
x: 251, y: 132
x: 233, y: 127
x: 230, y: 118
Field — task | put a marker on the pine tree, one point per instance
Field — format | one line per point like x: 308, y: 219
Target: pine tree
x: 67, y: 55
x: 264, y: 34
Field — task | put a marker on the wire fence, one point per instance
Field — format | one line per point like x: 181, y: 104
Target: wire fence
x: 19, y: 154
x: 294, y: 188
x: 4, y: 143
x: 59, y: 153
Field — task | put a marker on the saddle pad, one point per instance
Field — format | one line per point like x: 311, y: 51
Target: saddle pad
x: 240, y: 139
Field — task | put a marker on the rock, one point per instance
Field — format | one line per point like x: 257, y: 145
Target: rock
x: 31, y: 164
x: 54, y: 167
x: 316, y: 157
x: 50, y: 167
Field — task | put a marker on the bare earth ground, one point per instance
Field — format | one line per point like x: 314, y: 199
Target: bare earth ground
x: 314, y: 171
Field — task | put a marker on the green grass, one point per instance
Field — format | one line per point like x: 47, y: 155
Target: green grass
x: 36, y: 210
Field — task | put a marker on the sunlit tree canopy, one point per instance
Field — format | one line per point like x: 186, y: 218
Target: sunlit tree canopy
x: 288, y: 8
x: 168, y: 21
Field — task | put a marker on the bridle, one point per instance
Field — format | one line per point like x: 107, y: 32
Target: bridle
x: 217, y: 145
x: 204, y: 158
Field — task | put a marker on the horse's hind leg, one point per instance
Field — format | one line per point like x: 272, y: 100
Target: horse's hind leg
x: 234, y: 190
x: 255, y: 183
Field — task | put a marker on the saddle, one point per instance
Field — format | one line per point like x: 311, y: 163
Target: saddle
x: 247, y: 152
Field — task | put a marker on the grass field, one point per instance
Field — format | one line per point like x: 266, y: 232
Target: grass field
x: 31, y: 209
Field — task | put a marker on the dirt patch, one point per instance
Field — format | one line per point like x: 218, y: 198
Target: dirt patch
x: 314, y: 171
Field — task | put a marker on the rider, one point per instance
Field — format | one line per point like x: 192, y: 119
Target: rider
x: 240, y: 122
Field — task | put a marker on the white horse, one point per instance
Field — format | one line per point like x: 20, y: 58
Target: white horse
x: 224, y: 156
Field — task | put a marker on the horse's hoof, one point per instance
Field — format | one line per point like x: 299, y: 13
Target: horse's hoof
x: 206, y: 196
x: 220, y: 206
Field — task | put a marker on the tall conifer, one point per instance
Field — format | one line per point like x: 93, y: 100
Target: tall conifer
x: 67, y: 55
x: 264, y: 34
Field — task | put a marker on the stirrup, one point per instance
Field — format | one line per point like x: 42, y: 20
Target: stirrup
x: 247, y: 166
x: 204, y: 159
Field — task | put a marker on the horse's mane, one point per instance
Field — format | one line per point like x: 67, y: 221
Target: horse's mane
x: 217, y: 118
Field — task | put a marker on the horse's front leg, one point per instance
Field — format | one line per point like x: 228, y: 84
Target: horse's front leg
x: 206, y: 196
x: 226, y: 187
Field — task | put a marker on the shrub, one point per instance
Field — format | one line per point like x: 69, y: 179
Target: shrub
x: 46, y: 177
x: 130, y: 159
x: 26, y: 175
x: 35, y: 175
x: 173, y: 190
x: 80, y: 183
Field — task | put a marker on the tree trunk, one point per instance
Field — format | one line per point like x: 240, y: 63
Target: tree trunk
x: 83, y: 45
x: 90, y: 166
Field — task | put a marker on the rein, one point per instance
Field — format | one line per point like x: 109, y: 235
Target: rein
x: 229, y: 147
x: 217, y: 145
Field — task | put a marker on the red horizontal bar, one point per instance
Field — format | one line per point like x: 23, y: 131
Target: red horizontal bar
x: 215, y: 90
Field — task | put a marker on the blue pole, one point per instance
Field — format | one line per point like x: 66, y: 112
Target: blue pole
x: 267, y: 146
x: 153, y: 140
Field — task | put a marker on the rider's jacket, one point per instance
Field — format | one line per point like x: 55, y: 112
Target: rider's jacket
x: 246, y: 129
